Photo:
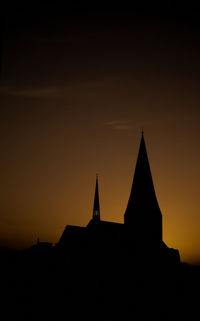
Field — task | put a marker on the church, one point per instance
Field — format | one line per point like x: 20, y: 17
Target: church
x: 141, y: 234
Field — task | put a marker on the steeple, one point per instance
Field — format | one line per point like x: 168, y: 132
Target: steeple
x: 143, y: 214
x: 96, y: 208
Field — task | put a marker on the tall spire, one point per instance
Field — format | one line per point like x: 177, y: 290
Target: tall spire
x: 143, y: 212
x: 96, y: 208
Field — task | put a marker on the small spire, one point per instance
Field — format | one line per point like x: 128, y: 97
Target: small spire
x: 96, y: 208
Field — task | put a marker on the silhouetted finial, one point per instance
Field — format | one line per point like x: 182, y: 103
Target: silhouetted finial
x: 142, y: 131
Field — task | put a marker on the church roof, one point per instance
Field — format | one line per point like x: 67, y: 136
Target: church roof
x: 71, y: 231
x: 107, y: 226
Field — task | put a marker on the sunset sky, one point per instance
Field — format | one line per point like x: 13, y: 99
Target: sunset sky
x: 76, y: 89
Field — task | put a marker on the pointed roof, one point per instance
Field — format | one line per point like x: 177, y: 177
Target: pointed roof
x: 142, y: 192
x: 96, y: 207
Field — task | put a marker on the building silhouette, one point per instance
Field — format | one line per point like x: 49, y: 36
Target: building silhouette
x: 141, y: 233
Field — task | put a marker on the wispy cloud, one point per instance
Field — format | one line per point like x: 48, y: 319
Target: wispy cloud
x: 122, y: 127
x: 118, y: 124
x: 37, y: 92
x: 45, y: 91
x: 62, y: 39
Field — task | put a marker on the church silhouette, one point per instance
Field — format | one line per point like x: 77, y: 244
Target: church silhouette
x: 141, y: 234
x: 105, y: 270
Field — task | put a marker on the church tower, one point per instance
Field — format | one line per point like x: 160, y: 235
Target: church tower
x: 96, y: 207
x: 143, y: 218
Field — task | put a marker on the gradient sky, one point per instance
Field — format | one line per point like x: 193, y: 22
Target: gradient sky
x: 76, y: 89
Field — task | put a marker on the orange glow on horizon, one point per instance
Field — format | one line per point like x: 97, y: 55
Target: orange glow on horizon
x: 73, y: 103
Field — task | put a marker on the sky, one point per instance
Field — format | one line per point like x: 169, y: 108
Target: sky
x: 76, y: 88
